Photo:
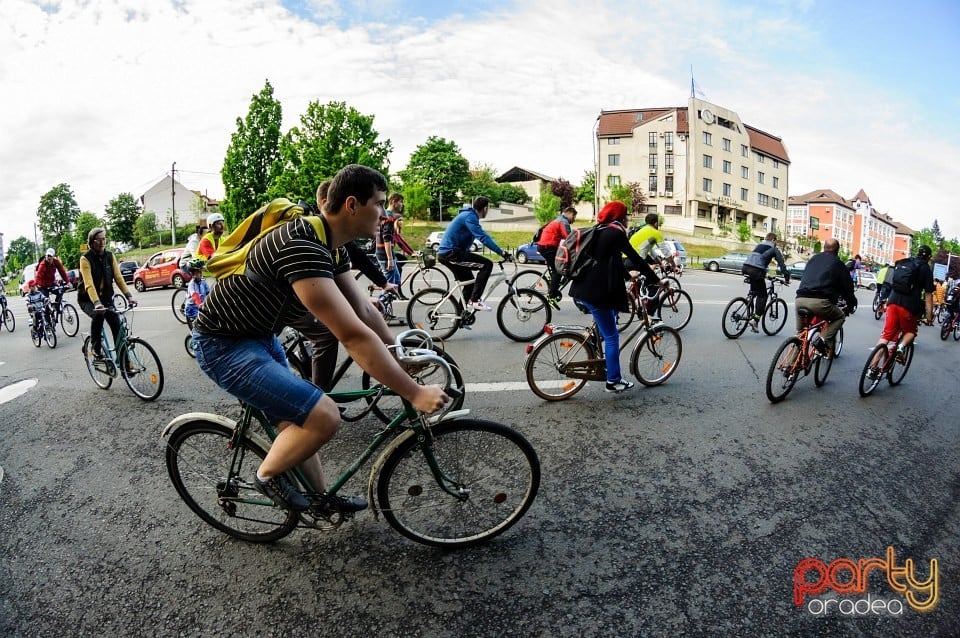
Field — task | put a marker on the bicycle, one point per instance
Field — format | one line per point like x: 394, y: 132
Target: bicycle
x: 797, y: 354
x: 675, y: 305
x: 178, y: 302
x: 886, y: 360
x: 559, y: 364
x: 42, y: 325
x: 737, y: 314
x: 134, y: 358
x: 64, y: 313
x: 951, y: 324
x: 521, y: 314
x: 6, y: 315
x: 444, y: 482
x: 425, y: 275
x: 539, y: 280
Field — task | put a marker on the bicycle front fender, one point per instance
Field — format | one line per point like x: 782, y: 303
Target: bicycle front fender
x: 190, y: 417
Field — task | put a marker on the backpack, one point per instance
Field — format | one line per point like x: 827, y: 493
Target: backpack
x: 231, y: 256
x: 574, y: 253
x: 904, y: 275
x: 952, y: 295
x: 539, y: 233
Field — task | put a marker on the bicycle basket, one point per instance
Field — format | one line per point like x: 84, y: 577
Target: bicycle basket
x: 429, y: 258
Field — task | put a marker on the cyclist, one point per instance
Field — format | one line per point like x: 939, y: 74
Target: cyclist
x: 46, y: 275
x: 905, y: 306
x: 297, y: 269
x: 825, y: 280
x: 197, y: 291
x: 884, y: 280
x: 756, y: 268
x: 454, y: 251
x: 952, y: 303
x: 208, y: 245
x: 99, y: 271
x: 601, y: 289
x: 553, y: 233
x: 193, y: 245
x: 648, y: 240
x: 35, y: 301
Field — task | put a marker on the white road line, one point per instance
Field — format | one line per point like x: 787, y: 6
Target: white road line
x: 12, y: 391
x: 503, y: 386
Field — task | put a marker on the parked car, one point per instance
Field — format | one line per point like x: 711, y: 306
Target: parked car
x: 676, y: 248
x: 161, y: 269
x: 528, y: 253
x: 868, y: 279
x: 796, y: 270
x: 127, y: 269
x: 731, y: 262
x: 433, y: 241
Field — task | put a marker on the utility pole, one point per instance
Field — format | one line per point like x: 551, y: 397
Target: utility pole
x: 440, y: 213
x: 173, y: 207
x: 36, y: 246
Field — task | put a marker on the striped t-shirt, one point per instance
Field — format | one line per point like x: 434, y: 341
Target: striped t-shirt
x: 245, y: 306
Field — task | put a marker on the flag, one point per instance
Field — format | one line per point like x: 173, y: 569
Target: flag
x: 695, y: 90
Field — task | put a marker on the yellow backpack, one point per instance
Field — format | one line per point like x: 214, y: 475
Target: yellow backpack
x: 231, y: 255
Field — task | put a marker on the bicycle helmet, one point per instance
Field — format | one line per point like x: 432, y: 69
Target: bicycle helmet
x: 924, y: 252
x: 214, y: 218
x: 196, y: 264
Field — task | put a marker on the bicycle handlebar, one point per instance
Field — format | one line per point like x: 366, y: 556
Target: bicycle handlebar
x: 424, y: 355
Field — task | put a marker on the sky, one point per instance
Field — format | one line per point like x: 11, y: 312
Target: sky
x: 105, y: 95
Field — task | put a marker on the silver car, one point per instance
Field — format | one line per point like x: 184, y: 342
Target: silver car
x: 731, y: 262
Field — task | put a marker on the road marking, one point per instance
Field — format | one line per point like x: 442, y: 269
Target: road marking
x: 12, y: 391
x: 503, y: 386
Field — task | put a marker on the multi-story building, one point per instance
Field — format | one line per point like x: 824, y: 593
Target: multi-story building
x: 169, y: 198
x: 701, y: 167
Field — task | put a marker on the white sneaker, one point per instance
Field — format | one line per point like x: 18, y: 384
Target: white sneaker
x: 479, y: 305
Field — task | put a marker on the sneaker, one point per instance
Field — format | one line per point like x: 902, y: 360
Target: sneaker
x: 754, y: 323
x: 873, y: 373
x: 554, y: 302
x: 479, y: 305
x: 327, y: 505
x: 279, y: 490
x: 619, y: 386
x: 900, y: 355
x: 820, y: 346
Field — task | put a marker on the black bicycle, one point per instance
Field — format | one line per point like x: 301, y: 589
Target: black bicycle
x: 64, y: 313
x: 739, y: 312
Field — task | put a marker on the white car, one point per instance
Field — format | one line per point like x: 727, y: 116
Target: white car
x: 433, y: 242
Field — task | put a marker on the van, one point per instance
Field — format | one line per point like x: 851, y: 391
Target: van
x: 29, y: 272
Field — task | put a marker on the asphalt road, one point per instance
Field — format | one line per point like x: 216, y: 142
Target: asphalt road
x: 677, y: 510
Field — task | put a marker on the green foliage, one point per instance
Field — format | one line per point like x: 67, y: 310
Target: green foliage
x: 416, y: 201
x: 564, y: 191
x: 587, y: 191
x: 86, y: 222
x: 547, y: 207
x: 924, y: 237
x: 20, y: 252
x: 439, y: 165
x: 121, y: 213
x: 145, y: 229
x: 621, y: 193
x: 252, y: 157
x: 69, y: 251
x: 482, y: 181
x: 725, y: 229
x: 57, y: 212
x: 513, y: 194
x: 743, y: 231
x: 638, y: 199
x: 329, y: 137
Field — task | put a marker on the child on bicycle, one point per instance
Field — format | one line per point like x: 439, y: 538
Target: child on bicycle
x: 35, y: 301
x: 197, y: 291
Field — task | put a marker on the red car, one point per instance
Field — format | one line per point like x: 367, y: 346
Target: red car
x: 161, y: 269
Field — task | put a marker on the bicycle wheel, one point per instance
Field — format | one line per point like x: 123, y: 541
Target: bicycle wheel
x: 624, y: 319
x: 735, y: 317
x: 119, y: 302
x: 784, y: 371
x: 821, y: 370
x: 879, y: 312
x: 423, y: 278
x: 898, y: 369
x: 199, y: 457
x: 533, y: 279
x: 656, y: 356
x: 141, y: 369
x: 838, y: 343
x: 956, y: 330
x: 674, y: 283
x: 490, y: 476
x: 9, y: 321
x: 676, y: 308
x: 50, y: 334
x: 774, y: 317
x: 873, y: 370
x: 545, y: 365
x: 102, y: 372
x: 178, y: 302
x: 69, y: 320
x: 945, y: 330
x: 432, y: 310
x: 188, y: 346
x: 523, y: 315
x: 876, y: 301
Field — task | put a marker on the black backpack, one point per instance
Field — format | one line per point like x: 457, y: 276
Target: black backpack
x: 539, y: 233
x: 905, y: 275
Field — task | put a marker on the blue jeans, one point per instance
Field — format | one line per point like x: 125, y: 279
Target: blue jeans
x: 392, y: 275
x: 606, y: 319
x: 255, y: 371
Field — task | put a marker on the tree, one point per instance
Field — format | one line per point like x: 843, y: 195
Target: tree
x: 743, y: 231
x: 638, y: 199
x: 122, y: 213
x: 69, y: 250
x: 564, y: 191
x: 252, y: 157
x: 57, y: 212
x: 923, y: 237
x: 145, y: 229
x: 85, y: 223
x: 513, y: 194
x: 329, y: 137
x: 587, y: 191
x: 439, y: 165
x: 482, y: 181
x: 416, y: 200
x: 547, y: 207
x: 937, y: 235
x: 20, y: 252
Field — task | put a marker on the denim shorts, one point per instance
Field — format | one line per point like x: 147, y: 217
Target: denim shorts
x: 255, y: 371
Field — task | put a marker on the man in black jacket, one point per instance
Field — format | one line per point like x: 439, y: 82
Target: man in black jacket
x: 825, y: 280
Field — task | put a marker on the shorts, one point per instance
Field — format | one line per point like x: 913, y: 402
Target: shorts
x: 255, y: 371
x: 898, y: 319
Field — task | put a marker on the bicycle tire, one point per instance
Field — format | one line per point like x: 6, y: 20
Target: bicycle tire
x: 879, y: 312
x: 674, y: 283
x: 544, y: 365
x: 432, y: 310
x: 774, y: 317
x: 656, y: 356
x: 624, y: 319
x: 388, y: 407
x: 9, y: 321
x: 120, y: 302
x: 838, y: 343
x: 784, y: 371
x: 875, y: 304
x: 198, y: 459
x: 872, y: 372
x: 188, y: 346
x: 100, y: 371
x: 178, y: 303
x: 36, y: 332
x: 523, y: 315
x: 898, y: 370
x: 141, y: 369
x: 735, y: 317
x: 676, y: 308
x: 493, y: 467
x: 429, y: 277
x: 69, y: 320
x: 50, y: 334
x: 956, y: 330
x: 533, y: 279
x: 821, y: 370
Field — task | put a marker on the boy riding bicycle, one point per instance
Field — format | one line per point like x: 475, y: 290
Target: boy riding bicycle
x: 904, y: 306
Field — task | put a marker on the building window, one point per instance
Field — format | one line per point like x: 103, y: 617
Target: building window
x: 707, y: 139
x: 668, y: 183
x: 668, y: 162
x: 613, y: 159
x: 653, y: 139
x: 707, y: 185
x: 744, y: 194
x: 703, y: 213
x: 672, y: 210
x: 707, y: 161
x: 744, y: 151
x: 727, y: 166
x: 668, y: 142
x: 652, y: 185
x: 760, y: 177
x: 649, y: 208
x: 726, y: 145
x: 613, y: 180
x: 775, y: 202
x: 763, y: 200
x: 744, y: 172
x: 727, y: 189
x: 613, y: 141
x: 759, y: 158
x: 776, y: 182
x: 776, y: 163
x: 653, y: 162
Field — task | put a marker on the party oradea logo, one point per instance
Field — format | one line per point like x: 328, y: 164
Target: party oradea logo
x: 849, y: 580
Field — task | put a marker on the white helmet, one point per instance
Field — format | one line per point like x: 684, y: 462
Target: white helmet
x: 51, y: 252
x: 215, y: 217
